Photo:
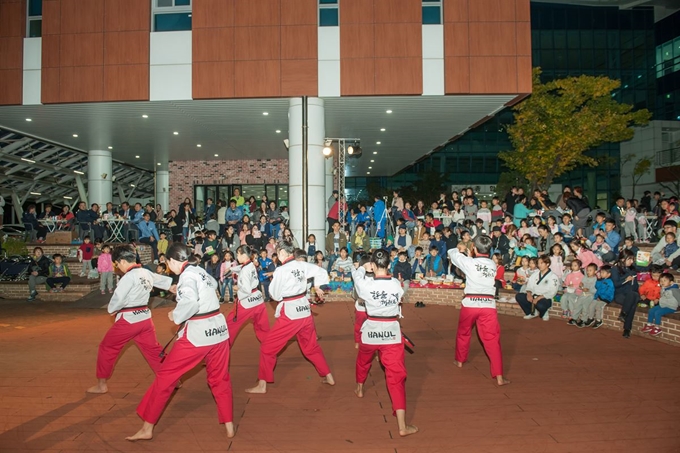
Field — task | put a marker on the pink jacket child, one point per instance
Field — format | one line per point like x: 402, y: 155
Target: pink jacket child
x: 224, y: 269
x: 572, y: 282
x: 104, y: 263
x: 587, y: 257
x: 557, y: 266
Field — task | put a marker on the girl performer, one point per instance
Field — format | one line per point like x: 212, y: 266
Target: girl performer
x: 381, y: 333
x: 359, y: 305
x: 293, y: 316
x: 479, y: 305
x: 133, y: 318
x: 250, y: 301
x: 203, y: 335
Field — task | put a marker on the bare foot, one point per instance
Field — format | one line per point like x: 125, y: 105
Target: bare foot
x: 99, y: 389
x: 458, y: 364
x: 359, y: 391
x: 356, y: 345
x: 500, y: 381
x: 328, y: 379
x: 178, y: 385
x: 146, y: 433
x: 260, y: 388
x: 231, y: 432
x: 410, y: 429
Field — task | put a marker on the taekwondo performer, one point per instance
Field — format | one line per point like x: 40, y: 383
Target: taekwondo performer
x: 250, y: 301
x: 479, y: 305
x: 293, y: 316
x: 133, y: 318
x: 381, y: 333
x: 202, y: 335
x: 359, y: 304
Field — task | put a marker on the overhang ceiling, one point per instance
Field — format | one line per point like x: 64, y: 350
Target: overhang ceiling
x: 237, y: 129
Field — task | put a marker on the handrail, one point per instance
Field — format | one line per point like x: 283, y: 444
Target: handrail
x: 668, y: 157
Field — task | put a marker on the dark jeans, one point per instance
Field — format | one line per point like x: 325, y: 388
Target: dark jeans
x: 330, y: 221
x: 628, y: 302
x: 54, y: 281
x: 542, y: 305
x: 153, y: 244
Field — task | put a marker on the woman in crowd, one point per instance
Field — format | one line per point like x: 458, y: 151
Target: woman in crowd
x: 185, y: 218
x: 175, y: 226
x: 521, y: 211
x: 624, y: 277
x: 67, y: 216
x: 419, y: 210
x: 579, y: 208
x: 231, y: 240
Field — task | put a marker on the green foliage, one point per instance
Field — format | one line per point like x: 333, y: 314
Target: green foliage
x: 562, y: 120
x: 640, y: 168
x: 14, y: 246
x: 508, y: 179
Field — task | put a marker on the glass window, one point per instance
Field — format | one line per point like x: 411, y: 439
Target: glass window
x: 35, y: 7
x: 35, y: 28
x: 34, y: 19
x: 172, y: 22
x: 432, y: 15
x: 328, y: 13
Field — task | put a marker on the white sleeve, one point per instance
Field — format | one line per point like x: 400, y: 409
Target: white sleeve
x: 277, y: 285
x: 161, y: 281
x: 552, y: 287
x: 462, y: 262
x: 531, y: 283
x: 187, y: 299
x: 312, y: 271
x: 120, y: 295
x: 359, y: 279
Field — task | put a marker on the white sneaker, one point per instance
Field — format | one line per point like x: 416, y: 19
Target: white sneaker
x: 82, y: 275
x: 546, y: 316
x: 531, y: 316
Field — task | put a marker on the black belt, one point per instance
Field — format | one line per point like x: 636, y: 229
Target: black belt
x: 383, y: 318
x: 138, y: 307
x: 490, y: 296
x: 297, y: 296
x: 205, y: 315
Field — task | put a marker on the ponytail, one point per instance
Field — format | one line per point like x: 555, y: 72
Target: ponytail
x: 245, y: 250
x: 180, y: 252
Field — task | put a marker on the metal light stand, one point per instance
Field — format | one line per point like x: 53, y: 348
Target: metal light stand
x: 342, y: 156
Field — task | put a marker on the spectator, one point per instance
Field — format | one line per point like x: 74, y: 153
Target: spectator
x: 105, y: 269
x: 611, y: 237
x: 148, y: 234
x: 650, y: 291
x: 579, y: 208
x: 624, y: 276
x: 59, y: 274
x: 604, y: 292
x: 343, y: 265
x: 335, y: 241
x: 418, y: 262
x: 618, y: 212
x: 360, y: 240
x: 520, y: 211
x: 584, y: 255
x: 668, y: 303
x: 542, y: 286
x: 209, y: 210
x: 40, y: 270
x: 545, y: 240
x: 30, y: 218
x: 238, y: 198
x: 379, y: 215
x: 572, y: 291
x: 332, y: 200
x: 434, y: 265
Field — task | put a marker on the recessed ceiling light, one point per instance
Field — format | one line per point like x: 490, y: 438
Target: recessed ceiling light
x: 136, y: 157
x: 198, y: 145
x: 368, y: 172
x: 388, y: 111
x: 216, y: 155
x: 278, y: 131
x: 375, y: 152
x: 132, y: 185
x: 372, y: 160
x: 110, y: 147
x: 78, y: 172
x: 158, y: 164
x: 36, y: 193
x: 145, y: 116
x: 382, y: 129
x: 176, y: 133
x: 377, y: 143
x: 29, y: 120
x: 75, y: 135
x: 265, y: 113
x: 68, y: 198
x: 370, y: 168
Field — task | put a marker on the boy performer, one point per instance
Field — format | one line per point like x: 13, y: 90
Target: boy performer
x: 479, y: 305
x: 381, y: 333
x: 133, y: 318
x: 293, y: 316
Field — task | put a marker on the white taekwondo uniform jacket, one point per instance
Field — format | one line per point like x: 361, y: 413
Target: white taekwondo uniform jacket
x: 131, y: 298
x: 382, y: 296
x: 289, y: 287
x: 480, y: 274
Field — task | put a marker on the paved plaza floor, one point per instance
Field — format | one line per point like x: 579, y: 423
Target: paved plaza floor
x: 572, y: 391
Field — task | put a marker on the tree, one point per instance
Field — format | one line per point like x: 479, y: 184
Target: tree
x: 640, y: 168
x: 507, y: 180
x: 562, y: 120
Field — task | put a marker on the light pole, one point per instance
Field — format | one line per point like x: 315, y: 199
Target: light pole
x: 354, y: 150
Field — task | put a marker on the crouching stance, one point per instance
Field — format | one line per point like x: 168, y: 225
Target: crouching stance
x: 293, y: 316
x: 479, y: 305
x: 133, y: 318
x: 202, y: 335
x: 381, y: 333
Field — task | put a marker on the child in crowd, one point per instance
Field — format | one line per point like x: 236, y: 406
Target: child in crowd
x: 434, y: 266
x: 604, y: 294
x: 552, y: 225
x: 580, y: 308
x: 424, y: 242
x: 470, y: 209
x: 210, y: 246
x: 85, y: 252
x: 507, y: 222
x: 484, y: 214
x: 162, y: 243
x: 629, y: 244
x: 465, y: 239
x: 59, y: 274
x: 557, y: 261
x: 226, y: 276
x: 668, y: 303
x: 418, y: 262
x: 572, y: 291
x: 265, y: 273
x: 440, y: 244
x: 393, y: 260
x: 566, y: 228
x: 496, y: 209
x: 105, y: 269
x: 98, y: 243
x: 629, y: 220
x: 642, y: 225
x: 271, y: 247
x: 584, y: 254
x: 212, y: 266
x: 343, y: 265
x: 671, y: 246
x: 536, y: 222
x: 519, y: 281
x: 481, y: 229
x: 600, y: 248
x: 499, y: 279
x: 198, y: 246
x: 527, y: 247
x: 559, y: 239
x: 402, y: 271
x: 523, y: 228
x: 319, y: 260
x: 650, y: 291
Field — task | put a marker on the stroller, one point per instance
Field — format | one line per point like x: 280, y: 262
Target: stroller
x: 15, y: 268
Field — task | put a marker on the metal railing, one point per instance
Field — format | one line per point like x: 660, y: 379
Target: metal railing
x: 668, y: 157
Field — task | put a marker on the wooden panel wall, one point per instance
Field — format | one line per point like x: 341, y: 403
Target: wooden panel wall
x: 381, y: 47
x: 254, y: 48
x: 487, y: 46
x: 95, y: 51
x: 12, y: 31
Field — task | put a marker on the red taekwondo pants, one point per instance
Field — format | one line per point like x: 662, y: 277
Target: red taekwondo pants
x: 283, y: 330
x: 143, y: 333
x: 392, y: 358
x: 489, y: 331
x: 183, y: 357
x: 359, y: 318
x: 260, y: 321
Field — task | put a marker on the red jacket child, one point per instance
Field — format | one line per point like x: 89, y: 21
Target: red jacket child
x: 650, y: 290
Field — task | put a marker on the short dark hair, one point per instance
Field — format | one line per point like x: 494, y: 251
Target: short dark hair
x: 667, y: 276
x: 180, y: 252
x: 381, y: 258
x: 57, y: 255
x: 610, y: 221
x: 124, y: 253
x: 543, y: 228
x: 606, y: 268
x: 299, y: 253
x: 286, y: 246
x: 656, y: 269
x: 483, y: 244
x: 671, y: 223
x: 592, y: 266
x: 87, y: 237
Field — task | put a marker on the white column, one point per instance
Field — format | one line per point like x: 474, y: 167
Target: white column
x: 328, y: 55
x: 170, y: 66
x: 163, y: 189
x: 316, y: 205
x: 99, y: 174
x: 32, y: 71
x: 329, y: 177
x: 433, y: 60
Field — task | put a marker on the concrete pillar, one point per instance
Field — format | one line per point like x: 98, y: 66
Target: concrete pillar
x: 99, y: 174
x: 329, y: 162
x: 316, y: 170
x: 163, y: 189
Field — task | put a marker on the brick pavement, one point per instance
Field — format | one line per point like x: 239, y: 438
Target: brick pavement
x: 573, y: 390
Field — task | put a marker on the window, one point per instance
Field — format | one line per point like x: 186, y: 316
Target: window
x: 34, y: 25
x: 328, y: 13
x: 274, y: 192
x: 432, y: 12
x: 171, y: 15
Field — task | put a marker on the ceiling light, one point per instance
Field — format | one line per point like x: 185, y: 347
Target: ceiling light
x: 110, y: 147
x: 350, y: 150
x: 265, y: 113
x: 136, y: 157
x: 278, y: 131
x: 198, y: 145
x: 159, y: 164
x: 29, y: 120
x: 375, y: 152
x: 36, y: 193
x: 327, y: 150
x: 216, y: 155
x: 176, y: 133
x: 75, y: 135
x: 388, y: 111
x: 145, y: 116
x: 30, y: 161
x: 368, y: 172
x: 377, y: 143
x: 382, y: 129
x: 370, y: 168
x: 132, y: 185
x: 78, y: 172
x: 372, y: 160
x: 68, y: 198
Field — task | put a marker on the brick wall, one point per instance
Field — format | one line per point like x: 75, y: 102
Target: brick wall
x: 184, y: 175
